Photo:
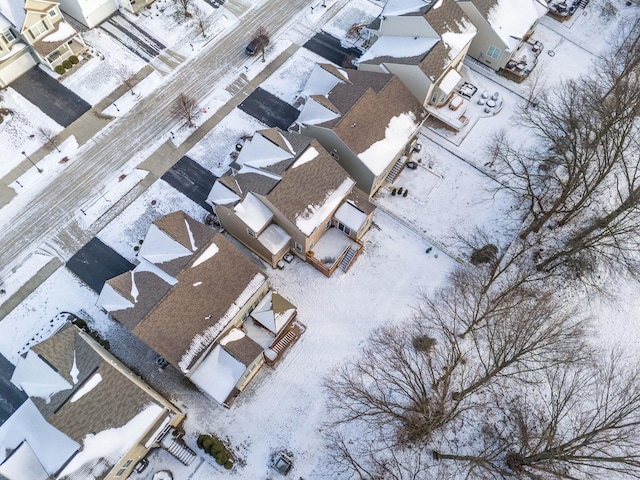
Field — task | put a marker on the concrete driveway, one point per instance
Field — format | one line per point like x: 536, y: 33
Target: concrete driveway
x: 269, y: 109
x: 329, y: 47
x: 96, y: 262
x: 50, y: 96
x: 192, y: 179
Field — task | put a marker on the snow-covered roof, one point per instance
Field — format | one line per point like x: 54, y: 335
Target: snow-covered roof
x: 260, y: 152
x: 399, y: 129
x: 314, y: 215
x: 308, y: 155
x: 253, y: 212
x: 350, y: 216
x: 274, y: 238
x: 401, y: 7
x: 218, y: 374
x: 221, y: 195
x: 273, y: 312
x: 158, y: 247
x: 399, y: 47
x: 37, y: 378
x: 314, y: 112
x: 14, y: 11
x: 449, y: 81
x: 456, y: 41
x: 52, y: 447
x: 61, y: 33
x: 113, y: 443
x: 511, y: 19
x: 323, y: 78
x: 23, y: 464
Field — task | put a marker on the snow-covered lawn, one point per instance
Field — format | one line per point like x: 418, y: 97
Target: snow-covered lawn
x: 213, y: 151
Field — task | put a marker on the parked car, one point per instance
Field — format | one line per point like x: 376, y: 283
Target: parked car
x: 255, y: 44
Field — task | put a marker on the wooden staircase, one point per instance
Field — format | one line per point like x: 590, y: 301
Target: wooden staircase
x: 583, y: 3
x: 282, y: 344
x: 397, y: 168
x: 348, y: 258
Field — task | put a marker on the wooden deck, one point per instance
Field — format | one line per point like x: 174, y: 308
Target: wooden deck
x: 287, y: 337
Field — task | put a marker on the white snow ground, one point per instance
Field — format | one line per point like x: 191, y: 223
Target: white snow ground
x: 283, y: 408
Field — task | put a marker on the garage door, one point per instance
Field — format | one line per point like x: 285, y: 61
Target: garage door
x: 16, y: 68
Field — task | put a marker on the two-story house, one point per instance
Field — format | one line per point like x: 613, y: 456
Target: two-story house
x: 423, y: 43
x: 15, y: 54
x: 82, y: 414
x: 286, y: 193
x: 190, y: 299
x: 90, y: 12
x: 504, y: 32
x: 366, y: 120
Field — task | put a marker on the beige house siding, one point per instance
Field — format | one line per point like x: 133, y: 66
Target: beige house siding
x: 13, y: 65
x: 250, y: 372
x: 238, y: 229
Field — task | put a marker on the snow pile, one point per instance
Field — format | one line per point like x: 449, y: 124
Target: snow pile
x: 314, y: 215
x: 378, y: 156
x: 112, y: 444
x: 308, y: 155
x: 208, y: 253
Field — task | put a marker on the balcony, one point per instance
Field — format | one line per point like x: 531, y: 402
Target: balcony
x: 523, y: 61
x: 332, y: 249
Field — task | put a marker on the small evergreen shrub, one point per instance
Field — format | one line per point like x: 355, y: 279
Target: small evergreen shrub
x: 74, y: 60
x: 393, y: 192
x: 228, y: 465
x: 60, y: 69
x: 406, y: 192
x: 67, y: 65
x: 221, y: 458
x: 400, y: 191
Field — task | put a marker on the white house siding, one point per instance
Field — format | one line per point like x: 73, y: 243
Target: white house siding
x: 485, y: 38
x: 89, y: 12
x: 13, y: 67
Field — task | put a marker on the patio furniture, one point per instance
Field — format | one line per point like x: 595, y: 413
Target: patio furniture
x: 456, y: 103
x: 491, y: 103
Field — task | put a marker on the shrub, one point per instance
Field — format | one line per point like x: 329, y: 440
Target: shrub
x: 400, y: 191
x: 1, y: 119
x: 73, y: 59
x: 485, y: 254
x: 228, y: 465
x: 136, y: 248
x: 406, y: 192
x: 67, y: 64
x: 60, y: 69
x: 201, y: 440
x: 221, y: 458
x: 393, y: 192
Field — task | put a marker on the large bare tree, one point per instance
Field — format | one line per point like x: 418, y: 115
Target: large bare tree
x: 578, y: 178
x: 185, y: 107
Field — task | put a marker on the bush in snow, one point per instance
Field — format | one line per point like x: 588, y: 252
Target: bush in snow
x: 67, y: 64
x: 60, y: 70
x: 74, y: 60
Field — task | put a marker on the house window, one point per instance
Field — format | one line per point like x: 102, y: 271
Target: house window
x: 124, y: 468
x: 54, y: 55
x: 494, y: 52
x: 52, y: 13
x: 334, y: 154
x: 9, y: 36
x: 38, y: 29
x: 328, y: 224
x: 251, y: 233
x: 298, y: 246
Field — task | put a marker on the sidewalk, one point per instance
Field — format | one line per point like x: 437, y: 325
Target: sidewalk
x: 83, y: 129
x: 157, y: 164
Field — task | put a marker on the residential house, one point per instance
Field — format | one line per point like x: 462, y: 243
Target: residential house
x: 135, y: 6
x: 41, y: 25
x: 286, y: 193
x: 366, y: 120
x: 16, y: 57
x: 504, y: 34
x: 190, y: 299
x: 83, y: 414
x: 423, y: 43
x: 89, y: 12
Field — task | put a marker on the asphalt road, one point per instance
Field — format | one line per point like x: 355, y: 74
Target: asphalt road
x: 50, y: 96
x: 269, y: 109
x: 191, y: 179
x: 51, y: 209
x: 329, y: 47
x: 96, y: 262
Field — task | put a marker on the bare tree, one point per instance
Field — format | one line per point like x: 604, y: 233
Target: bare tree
x: 126, y: 77
x: 201, y: 19
x: 182, y: 12
x: 263, y: 37
x: 49, y: 137
x: 580, y: 422
x: 579, y: 179
x: 185, y: 108
x: 413, y: 382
